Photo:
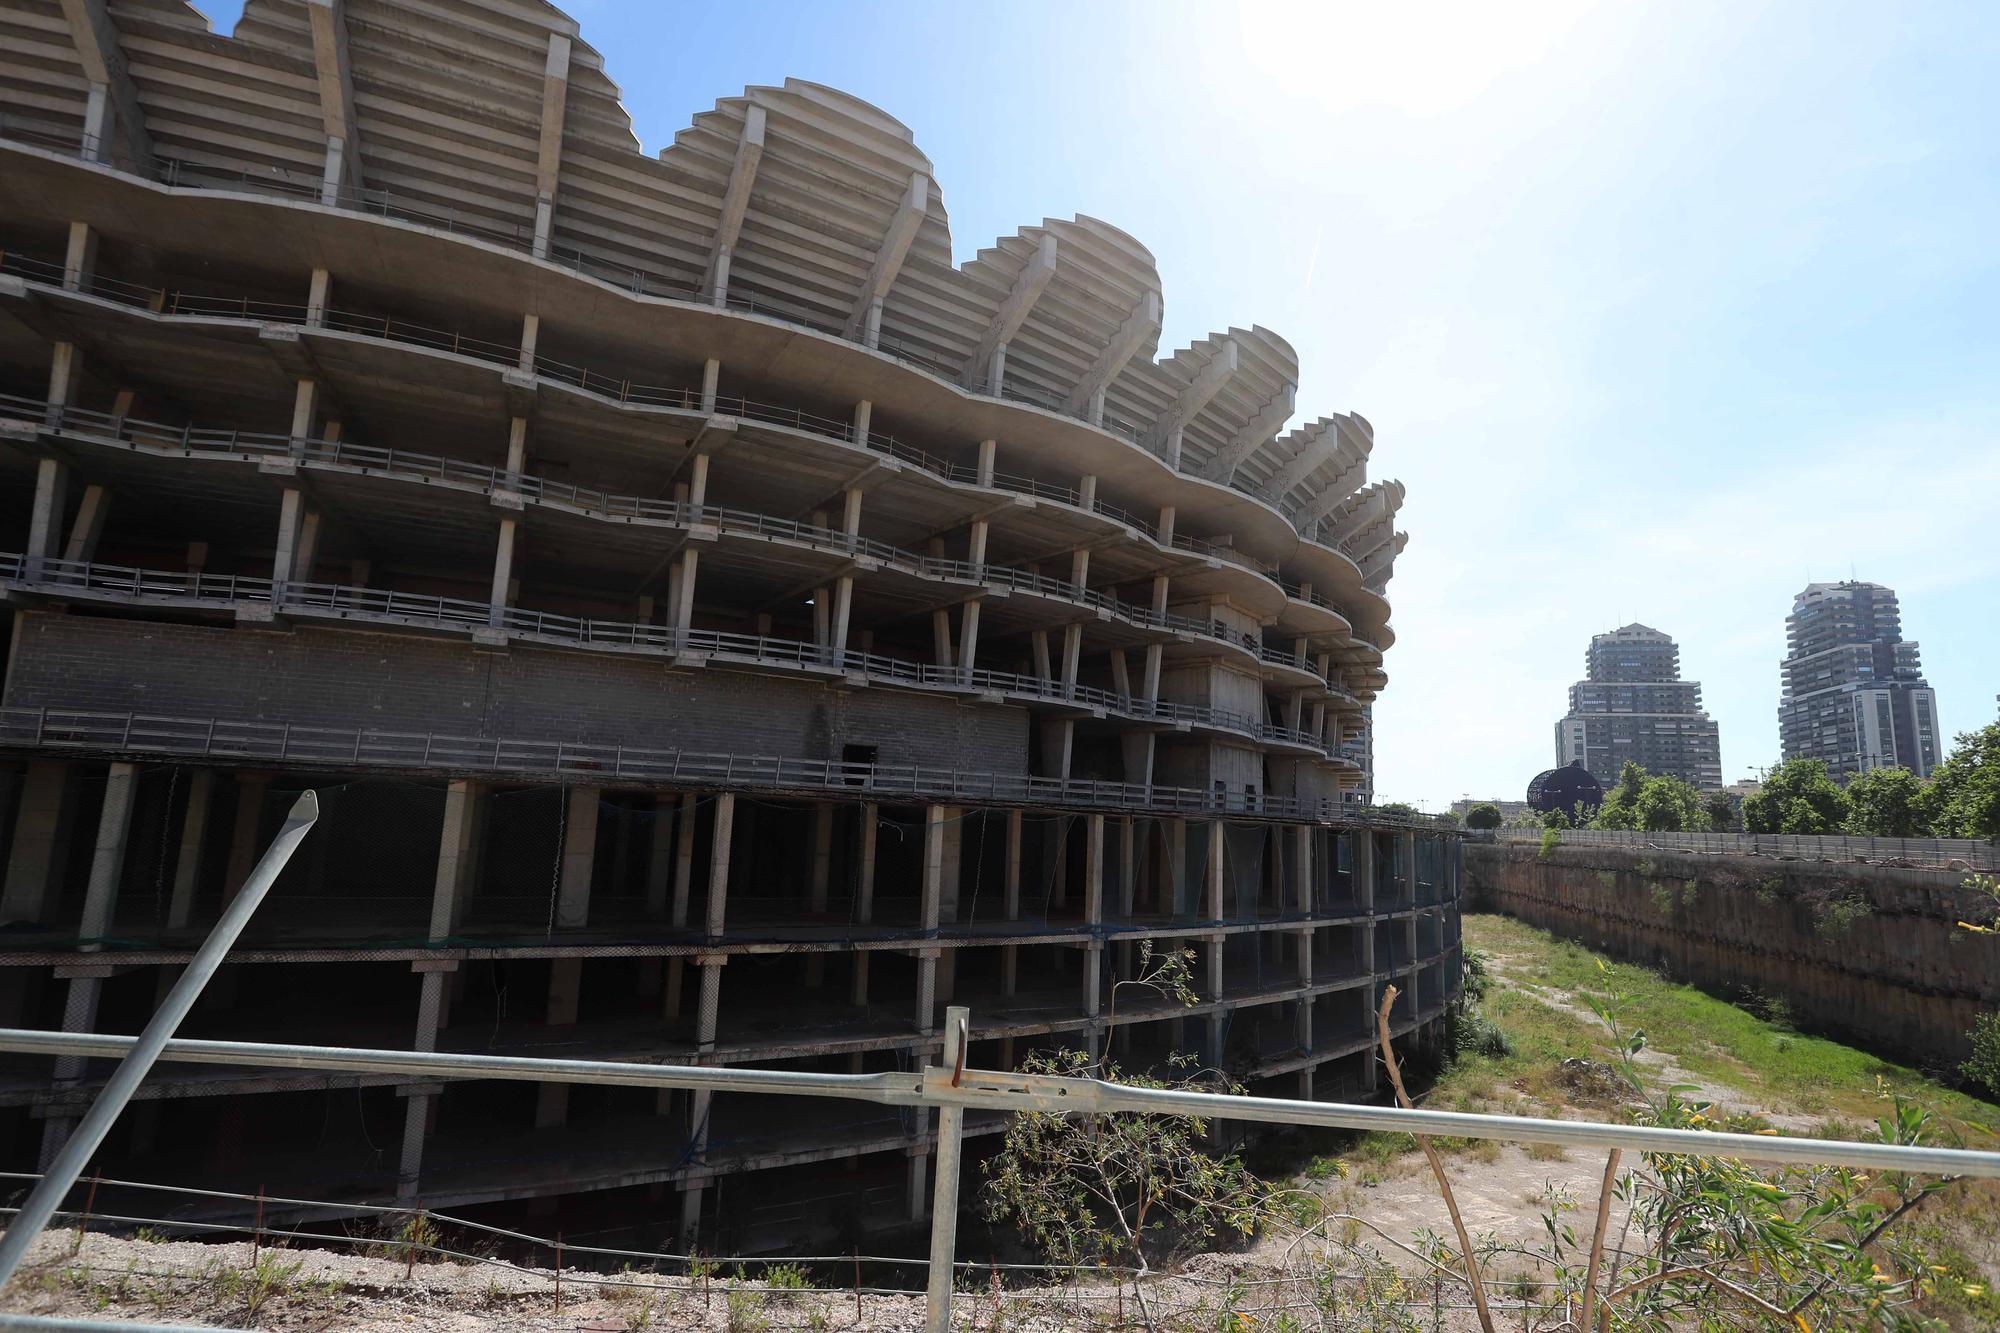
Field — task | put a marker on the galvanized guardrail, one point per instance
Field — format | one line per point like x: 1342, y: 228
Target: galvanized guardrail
x: 954, y: 1089
x: 1932, y: 853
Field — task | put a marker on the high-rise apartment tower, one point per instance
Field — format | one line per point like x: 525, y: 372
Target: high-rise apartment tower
x: 1633, y: 705
x: 1854, y: 691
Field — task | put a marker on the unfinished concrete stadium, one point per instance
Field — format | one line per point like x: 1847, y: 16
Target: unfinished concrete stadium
x: 719, y: 627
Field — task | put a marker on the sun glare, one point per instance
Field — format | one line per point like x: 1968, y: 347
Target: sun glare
x: 1420, y: 59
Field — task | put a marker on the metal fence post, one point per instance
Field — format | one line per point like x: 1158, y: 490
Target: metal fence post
x: 124, y: 1081
x: 944, y: 1198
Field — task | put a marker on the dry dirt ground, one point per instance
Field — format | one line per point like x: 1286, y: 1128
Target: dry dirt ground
x: 1377, y: 1198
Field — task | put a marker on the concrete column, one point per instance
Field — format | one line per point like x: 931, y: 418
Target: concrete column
x: 1009, y: 953
x: 45, y: 517
x: 1072, y: 657
x: 1305, y: 965
x: 290, y: 514
x: 86, y: 984
x: 1302, y: 869
x: 305, y: 411
x: 681, y: 593
x: 1217, y: 865
x: 80, y: 257
x: 684, y: 834
x: 88, y: 525
x: 933, y: 882
x: 1175, y: 867
x: 579, y: 857
x: 864, y: 888
x: 822, y: 863
x: 37, y: 855
x: 941, y: 637
x: 711, y: 381
x: 659, y: 866
x: 1093, y: 870
x: 865, y: 872
x: 927, y: 969
x: 420, y: 1100
x: 1218, y: 1020
x: 114, y: 825
x: 718, y: 863
x: 1093, y: 911
x: 187, y: 857
x: 531, y: 334
x: 456, y: 853
x: 1058, y: 744
x: 245, y: 846
x: 65, y: 376
x: 565, y: 996
x: 843, y: 615
x: 503, y: 572
x: 317, y: 295
x: 1127, y: 866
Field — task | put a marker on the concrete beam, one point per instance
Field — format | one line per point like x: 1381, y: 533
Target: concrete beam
x: 548, y: 153
x: 1165, y: 433
x: 38, y: 852
x: 1259, y: 431
x: 1378, y: 567
x: 1141, y: 326
x: 88, y: 525
x: 114, y: 125
x: 1352, y: 522
x: 735, y: 202
x: 986, y: 369
x: 864, y: 317
x: 342, y: 170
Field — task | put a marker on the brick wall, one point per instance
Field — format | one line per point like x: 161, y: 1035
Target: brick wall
x: 311, y: 676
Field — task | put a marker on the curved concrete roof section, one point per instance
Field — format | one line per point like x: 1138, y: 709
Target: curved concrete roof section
x: 800, y: 200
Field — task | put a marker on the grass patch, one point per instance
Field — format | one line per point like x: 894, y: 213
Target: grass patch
x: 1711, y: 1039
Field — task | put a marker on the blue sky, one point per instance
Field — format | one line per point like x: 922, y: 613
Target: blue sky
x: 1660, y: 310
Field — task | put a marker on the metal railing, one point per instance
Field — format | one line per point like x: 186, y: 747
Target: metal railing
x: 177, y: 303
x: 59, y: 730
x: 952, y: 1089
x: 49, y: 576
x: 378, y: 460
x: 1928, y: 853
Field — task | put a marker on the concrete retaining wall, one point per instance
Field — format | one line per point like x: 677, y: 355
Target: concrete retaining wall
x: 1870, y: 954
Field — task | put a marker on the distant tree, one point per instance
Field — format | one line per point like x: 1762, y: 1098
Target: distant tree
x: 1963, y: 800
x: 1886, y: 803
x: 1721, y: 811
x: 1797, y: 797
x: 1621, y: 804
x: 1555, y: 819
x: 1668, y: 805
x: 1397, y: 808
x: 1483, y: 816
x: 1448, y: 818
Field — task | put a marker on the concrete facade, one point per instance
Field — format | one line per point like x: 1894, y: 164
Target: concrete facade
x: 720, y: 628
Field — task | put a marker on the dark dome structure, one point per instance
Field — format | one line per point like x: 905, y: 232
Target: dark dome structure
x: 1564, y: 789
